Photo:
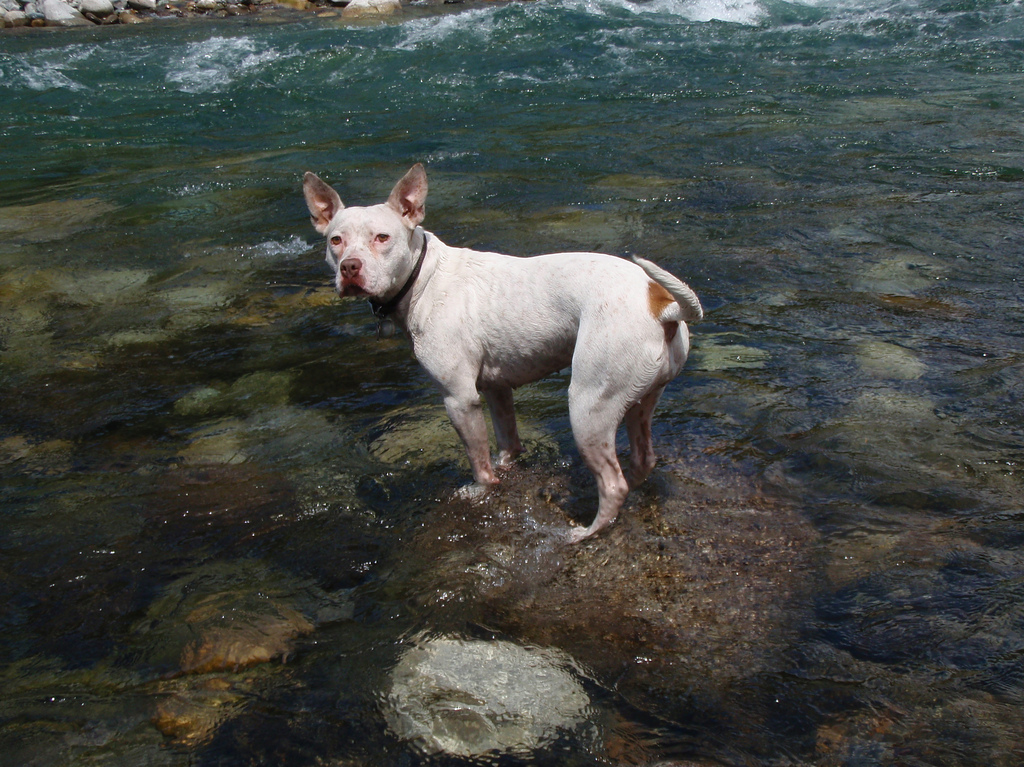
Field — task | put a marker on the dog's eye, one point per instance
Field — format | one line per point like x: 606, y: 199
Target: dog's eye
x: 382, y: 238
x: 336, y: 240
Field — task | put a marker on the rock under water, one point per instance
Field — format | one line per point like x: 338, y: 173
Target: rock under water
x: 471, y: 697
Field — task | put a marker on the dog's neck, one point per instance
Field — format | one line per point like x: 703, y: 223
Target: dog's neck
x: 382, y: 310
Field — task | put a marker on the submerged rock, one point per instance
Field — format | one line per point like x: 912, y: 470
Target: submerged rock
x: 193, y: 305
x: 247, y: 393
x: 55, y: 219
x: 713, y: 355
x: 48, y: 457
x: 471, y: 697
x: 900, y: 275
x: 694, y: 594
x: 423, y: 435
x: 237, y: 631
x: 884, y: 360
x: 602, y: 229
x: 224, y: 618
x: 191, y: 714
x: 222, y: 442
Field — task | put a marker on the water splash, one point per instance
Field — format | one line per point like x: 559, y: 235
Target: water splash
x: 216, y: 63
x: 46, y: 69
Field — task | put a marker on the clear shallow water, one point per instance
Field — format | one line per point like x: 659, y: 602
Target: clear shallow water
x: 227, y: 509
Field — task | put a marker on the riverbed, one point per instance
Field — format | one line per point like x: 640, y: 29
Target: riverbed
x: 231, y: 532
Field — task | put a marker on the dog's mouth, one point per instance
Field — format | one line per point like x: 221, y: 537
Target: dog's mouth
x: 351, y: 289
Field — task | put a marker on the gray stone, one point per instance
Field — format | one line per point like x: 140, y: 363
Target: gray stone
x: 59, y: 14
x: 142, y: 5
x: 101, y: 8
x: 471, y: 697
x: 15, y: 19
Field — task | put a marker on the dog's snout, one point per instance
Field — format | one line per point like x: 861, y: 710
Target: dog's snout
x: 350, y: 268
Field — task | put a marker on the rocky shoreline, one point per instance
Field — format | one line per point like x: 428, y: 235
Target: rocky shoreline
x: 20, y: 14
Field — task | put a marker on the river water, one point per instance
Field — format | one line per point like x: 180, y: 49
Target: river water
x: 229, y: 534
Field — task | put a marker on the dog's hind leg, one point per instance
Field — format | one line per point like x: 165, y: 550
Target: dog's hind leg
x: 503, y: 418
x: 638, y: 425
x: 594, y: 423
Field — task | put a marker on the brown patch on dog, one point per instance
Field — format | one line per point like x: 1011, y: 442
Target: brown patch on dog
x: 658, y: 299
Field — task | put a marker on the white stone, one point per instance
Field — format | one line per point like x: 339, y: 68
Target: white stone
x: 363, y: 8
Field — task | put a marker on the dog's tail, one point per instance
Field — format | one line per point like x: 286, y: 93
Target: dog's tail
x: 687, y: 306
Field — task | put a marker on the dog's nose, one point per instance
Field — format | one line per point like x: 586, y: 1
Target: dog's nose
x: 350, y: 268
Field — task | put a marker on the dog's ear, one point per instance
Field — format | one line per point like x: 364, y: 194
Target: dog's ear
x: 323, y: 202
x: 409, y: 197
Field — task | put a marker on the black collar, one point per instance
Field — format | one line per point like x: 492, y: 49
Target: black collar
x: 380, y: 311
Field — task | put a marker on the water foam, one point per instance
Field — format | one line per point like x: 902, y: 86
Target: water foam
x: 748, y: 12
x: 214, y: 64
x: 290, y: 248
x: 437, y: 29
x: 45, y: 70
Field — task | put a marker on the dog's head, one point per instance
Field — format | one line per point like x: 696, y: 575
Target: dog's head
x: 369, y: 248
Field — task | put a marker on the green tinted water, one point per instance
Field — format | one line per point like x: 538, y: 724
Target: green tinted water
x: 227, y: 507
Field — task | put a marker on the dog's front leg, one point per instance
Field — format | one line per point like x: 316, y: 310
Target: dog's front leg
x: 467, y: 416
x: 503, y: 417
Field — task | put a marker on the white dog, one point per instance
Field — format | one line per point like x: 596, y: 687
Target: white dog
x: 484, y: 323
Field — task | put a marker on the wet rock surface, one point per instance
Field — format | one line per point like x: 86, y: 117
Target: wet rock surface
x: 472, y: 697
x: 212, y: 620
x: 190, y: 714
x: 695, y: 592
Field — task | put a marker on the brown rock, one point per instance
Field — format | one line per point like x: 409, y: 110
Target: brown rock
x: 235, y: 639
x: 191, y: 715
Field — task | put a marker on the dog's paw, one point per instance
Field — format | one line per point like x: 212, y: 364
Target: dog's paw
x: 577, y: 534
